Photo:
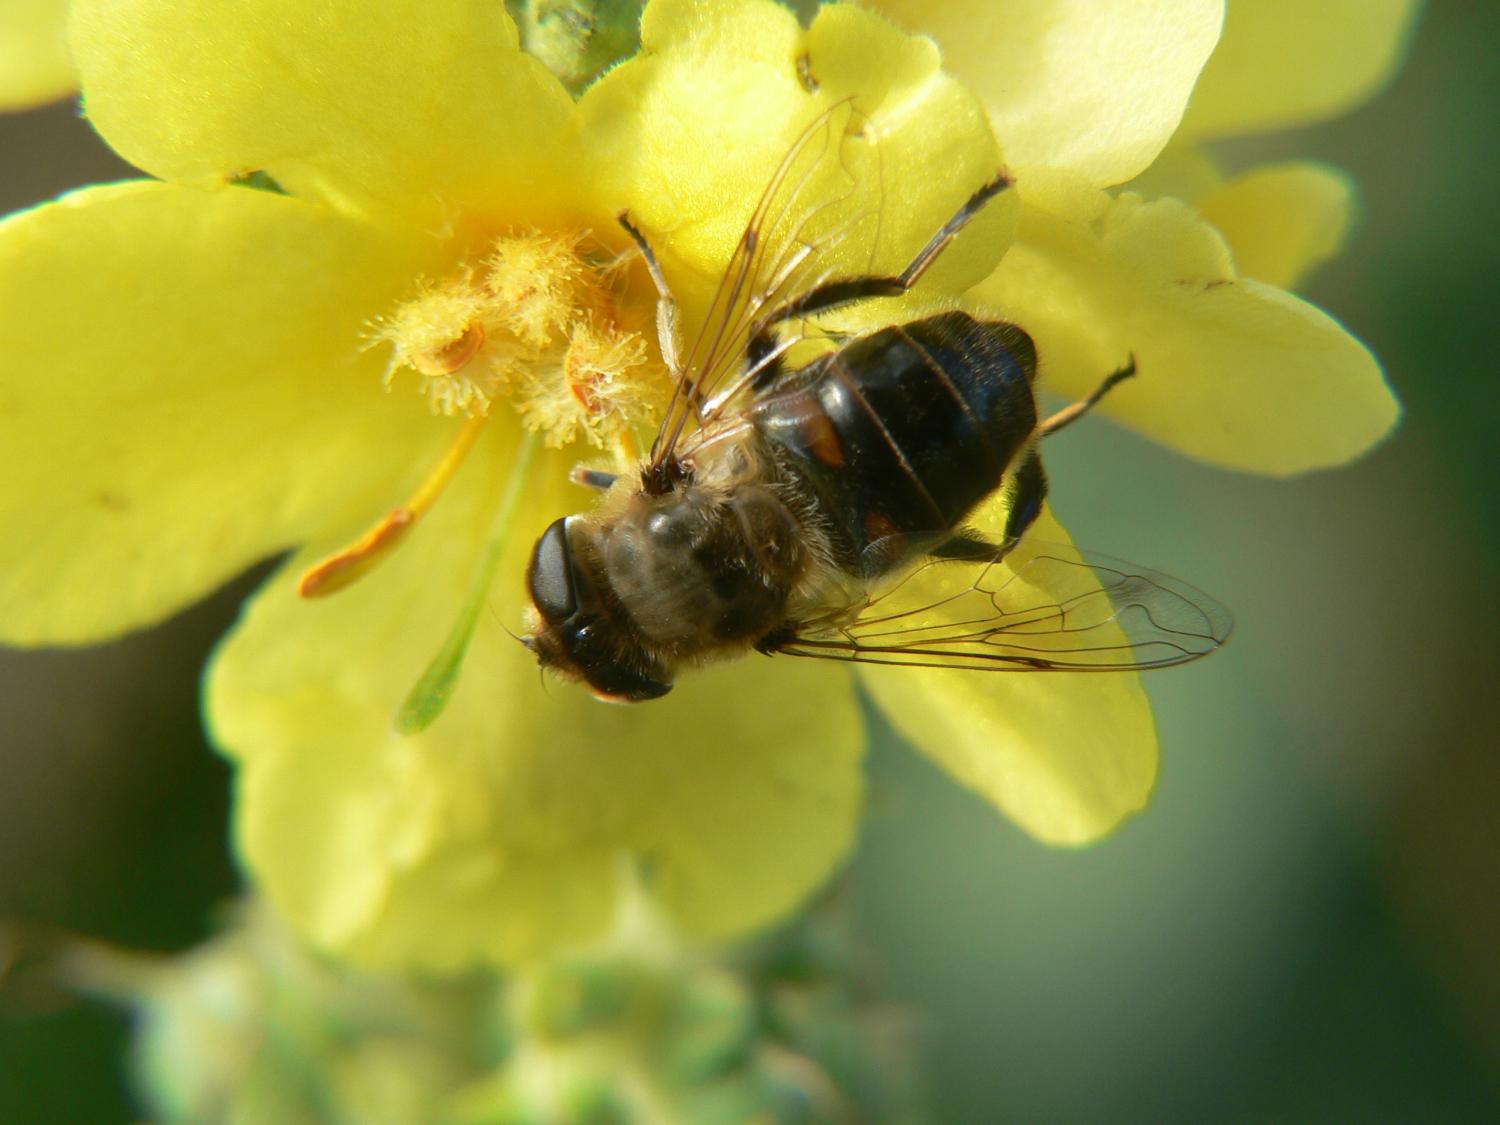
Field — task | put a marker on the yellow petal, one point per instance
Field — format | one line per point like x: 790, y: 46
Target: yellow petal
x: 1281, y: 220
x: 35, y: 67
x: 424, y: 106
x: 1281, y: 63
x: 1231, y: 370
x: 1066, y: 755
x: 504, y: 829
x: 1183, y: 172
x: 177, y: 398
x: 688, y: 134
x: 1096, y: 89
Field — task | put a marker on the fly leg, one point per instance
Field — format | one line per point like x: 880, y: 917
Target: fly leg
x: 846, y: 290
x: 1027, y: 486
x: 1070, y: 414
x: 592, y: 478
x: 1028, y: 490
x: 668, y: 320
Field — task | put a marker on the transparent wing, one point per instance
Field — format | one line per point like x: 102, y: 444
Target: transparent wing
x: 821, y: 194
x: 1044, y: 607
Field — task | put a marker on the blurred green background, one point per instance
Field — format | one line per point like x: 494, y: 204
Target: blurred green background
x: 1304, y: 926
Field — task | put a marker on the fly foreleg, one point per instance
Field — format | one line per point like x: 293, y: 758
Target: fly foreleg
x: 668, y: 320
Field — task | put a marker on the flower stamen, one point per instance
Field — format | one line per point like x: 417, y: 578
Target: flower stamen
x: 539, y: 319
x: 344, y: 567
x: 451, y: 358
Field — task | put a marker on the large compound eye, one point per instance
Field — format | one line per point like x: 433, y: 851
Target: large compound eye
x: 578, y: 635
x: 550, y: 575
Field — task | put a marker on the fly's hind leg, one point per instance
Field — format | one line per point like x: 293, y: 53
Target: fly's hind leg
x: 846, y: 290
x: 1028, y: 491
x: 1070, y: 414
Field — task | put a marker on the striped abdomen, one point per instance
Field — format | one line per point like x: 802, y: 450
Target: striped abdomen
x: 899, y: 434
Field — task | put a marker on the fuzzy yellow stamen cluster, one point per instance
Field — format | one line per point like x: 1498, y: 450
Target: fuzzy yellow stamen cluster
x: 536, y: 320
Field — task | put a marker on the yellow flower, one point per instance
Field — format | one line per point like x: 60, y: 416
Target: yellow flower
x: 35, y: 67
x: 198, y: 375
x: 1240, y: 372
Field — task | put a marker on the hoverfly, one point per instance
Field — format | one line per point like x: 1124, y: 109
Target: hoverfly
x: 820, y: 510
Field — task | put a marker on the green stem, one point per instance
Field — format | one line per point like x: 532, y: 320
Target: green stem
x: 435, y: 687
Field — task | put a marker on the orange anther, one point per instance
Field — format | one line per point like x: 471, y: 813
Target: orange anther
x: 452, y: 356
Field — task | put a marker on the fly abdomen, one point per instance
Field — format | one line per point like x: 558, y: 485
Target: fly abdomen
x: 899, y: 434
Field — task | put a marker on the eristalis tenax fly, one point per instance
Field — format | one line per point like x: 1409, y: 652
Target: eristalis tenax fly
x: 824, y: 508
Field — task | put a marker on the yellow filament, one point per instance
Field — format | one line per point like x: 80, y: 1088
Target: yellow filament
x: 356, y: 560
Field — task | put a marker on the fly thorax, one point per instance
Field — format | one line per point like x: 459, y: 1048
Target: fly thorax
x: 700, y: 568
